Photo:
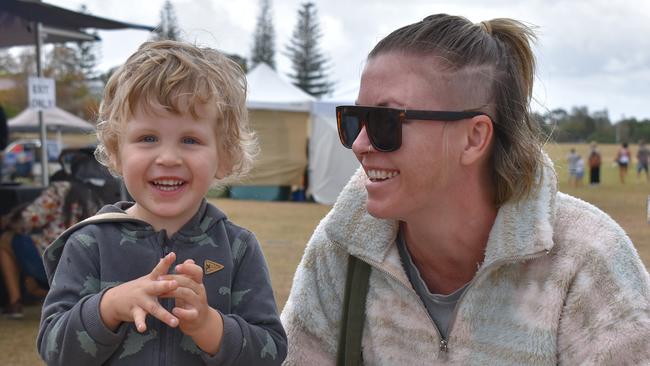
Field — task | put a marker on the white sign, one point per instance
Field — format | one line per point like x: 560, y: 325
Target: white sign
x: 42, y: 93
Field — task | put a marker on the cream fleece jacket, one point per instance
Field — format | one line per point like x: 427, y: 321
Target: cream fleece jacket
x: 561, y: 284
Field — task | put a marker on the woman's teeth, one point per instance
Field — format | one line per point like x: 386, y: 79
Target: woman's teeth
x: 376, y: 175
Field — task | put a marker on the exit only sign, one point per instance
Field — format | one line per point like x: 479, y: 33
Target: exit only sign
x: 42, y: 93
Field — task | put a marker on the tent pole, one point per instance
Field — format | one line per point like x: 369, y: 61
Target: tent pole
x: 39, y: 73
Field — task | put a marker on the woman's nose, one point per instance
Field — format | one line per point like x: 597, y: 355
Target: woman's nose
x: 361, y: 144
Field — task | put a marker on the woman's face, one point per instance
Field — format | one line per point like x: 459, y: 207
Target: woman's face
x: 424, y: 172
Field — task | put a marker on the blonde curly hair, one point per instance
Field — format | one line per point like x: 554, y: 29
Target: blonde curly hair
x: 179, y: 77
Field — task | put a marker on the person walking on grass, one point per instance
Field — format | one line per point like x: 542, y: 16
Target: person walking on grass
x: 595, y: 160
x: 623, y: 161
x: 642, y: 157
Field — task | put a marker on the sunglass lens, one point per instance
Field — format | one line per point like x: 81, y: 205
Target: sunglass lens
x: 350, y: 128
x: 384, y: 130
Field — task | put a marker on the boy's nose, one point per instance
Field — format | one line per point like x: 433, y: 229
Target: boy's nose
x: 169, y: 157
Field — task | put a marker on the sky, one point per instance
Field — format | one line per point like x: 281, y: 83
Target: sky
x: 593, y: 53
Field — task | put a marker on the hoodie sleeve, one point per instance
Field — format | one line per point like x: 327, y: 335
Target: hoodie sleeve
x: 71, y: 330
x: 253, y: 334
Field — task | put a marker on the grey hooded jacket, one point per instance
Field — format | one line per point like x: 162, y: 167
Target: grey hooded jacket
x: 99, y: 256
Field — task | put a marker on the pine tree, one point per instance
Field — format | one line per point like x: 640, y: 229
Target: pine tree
x: 308, y: 63
x: 264, y: 37
x: 88, y: 53
x: 168, y: 27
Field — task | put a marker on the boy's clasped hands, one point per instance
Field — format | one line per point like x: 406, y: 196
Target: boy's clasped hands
x: 133, y: 300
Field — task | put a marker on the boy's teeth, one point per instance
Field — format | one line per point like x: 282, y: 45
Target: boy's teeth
x: 168, y: 184
x: 381, y: 174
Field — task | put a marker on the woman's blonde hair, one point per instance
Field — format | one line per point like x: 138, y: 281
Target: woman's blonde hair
x: 179, y: 77
x: 502, y: 47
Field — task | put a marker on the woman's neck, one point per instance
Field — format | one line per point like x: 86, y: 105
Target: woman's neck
x: 448, y: 245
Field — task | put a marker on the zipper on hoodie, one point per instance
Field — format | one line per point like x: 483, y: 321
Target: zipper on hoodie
x: 443, y: 345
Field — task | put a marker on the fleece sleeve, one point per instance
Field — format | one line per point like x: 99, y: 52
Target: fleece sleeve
x: 606, y: 316
x: 71, y: 330
x: 253, y: 334
x: 312, y: 314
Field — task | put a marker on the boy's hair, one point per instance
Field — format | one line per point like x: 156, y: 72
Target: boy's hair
x: 179, y: 77
x: 499, y: 49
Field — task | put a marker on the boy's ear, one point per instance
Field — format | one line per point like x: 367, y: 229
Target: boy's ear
x: 115, y: 163
x: 479, y: 133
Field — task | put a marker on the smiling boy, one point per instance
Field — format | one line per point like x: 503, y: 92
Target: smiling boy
x: 173, y: 120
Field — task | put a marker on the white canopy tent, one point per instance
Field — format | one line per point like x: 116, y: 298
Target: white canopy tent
x: 54, y: 119
x: 279, y: 115
x: 330, y: 164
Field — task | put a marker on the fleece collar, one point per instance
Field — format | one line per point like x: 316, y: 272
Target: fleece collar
x: 206, y: 217
x: 520, y: 229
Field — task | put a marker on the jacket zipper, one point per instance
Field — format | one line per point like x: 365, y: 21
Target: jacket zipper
x: 443, y: 345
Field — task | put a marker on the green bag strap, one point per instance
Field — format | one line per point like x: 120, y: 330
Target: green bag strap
x: 354, y: 313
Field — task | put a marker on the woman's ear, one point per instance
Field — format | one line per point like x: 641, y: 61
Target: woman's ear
x: 478, y: 140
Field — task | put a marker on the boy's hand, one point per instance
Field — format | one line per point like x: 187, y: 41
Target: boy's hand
x: 196, y: 318
x: 133, y: 300
x: 192, y: 307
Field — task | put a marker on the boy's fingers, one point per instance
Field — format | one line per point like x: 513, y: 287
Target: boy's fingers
x: 163, y: 266
x: 139, y: 318
x: 157, y: 311
x: 186, y: 314
x: 184, y: 281
x: 192, y: 270
x: 160, y: 287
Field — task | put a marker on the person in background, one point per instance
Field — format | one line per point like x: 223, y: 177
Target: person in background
x: 4, y: 138
x: 173, y: 281
x: 595, y: 161
x: 579, y: 172
x: 642, y: 157
x: 572, y: 160
x: 28, y: 231
x: 473, y: 257
x: 623, y: 161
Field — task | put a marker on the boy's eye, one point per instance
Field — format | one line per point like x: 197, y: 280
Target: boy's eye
x: 190, y: 140
x: 148, y: 138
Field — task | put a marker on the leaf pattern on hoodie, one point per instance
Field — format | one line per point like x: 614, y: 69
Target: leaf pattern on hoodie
x: 135, y: 341
x: 87, y: 344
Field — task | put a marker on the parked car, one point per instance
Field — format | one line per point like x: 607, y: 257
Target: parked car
x: 22, y: 158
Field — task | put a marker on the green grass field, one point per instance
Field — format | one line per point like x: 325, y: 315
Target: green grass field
x: 283, y: 229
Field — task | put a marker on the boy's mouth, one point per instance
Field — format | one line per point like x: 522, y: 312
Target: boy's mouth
x: 168, y: 184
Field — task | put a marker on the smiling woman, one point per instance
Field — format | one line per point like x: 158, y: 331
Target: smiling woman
x: 455, y: 226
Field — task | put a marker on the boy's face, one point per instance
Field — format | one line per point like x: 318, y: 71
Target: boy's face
x: 168, y: 163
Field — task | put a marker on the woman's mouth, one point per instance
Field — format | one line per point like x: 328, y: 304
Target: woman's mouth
x: 377, y: 175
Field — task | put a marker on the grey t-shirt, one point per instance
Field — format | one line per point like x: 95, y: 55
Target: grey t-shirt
x: 440, y: 307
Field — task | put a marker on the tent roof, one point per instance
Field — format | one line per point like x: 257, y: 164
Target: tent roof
x: 59, y: 24
x: 266, y: 90
x: 54, y: 118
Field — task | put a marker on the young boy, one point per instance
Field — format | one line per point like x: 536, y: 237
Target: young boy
x: 173, y: 119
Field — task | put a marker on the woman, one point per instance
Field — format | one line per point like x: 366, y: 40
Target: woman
x: 475, y: 258
x: 623, y: 160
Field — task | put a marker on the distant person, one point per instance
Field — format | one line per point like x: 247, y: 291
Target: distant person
x: 470, y: 254
x: 572, y: 160
x: 623, y: 161
x: 642, y: 157
x: 595, y: 160
x: 172, y: 280
x: 4, y: 138
x: 580, y: 171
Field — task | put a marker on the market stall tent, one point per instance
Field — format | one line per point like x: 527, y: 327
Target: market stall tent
x: 279, y: 115
x: 330, y: 164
